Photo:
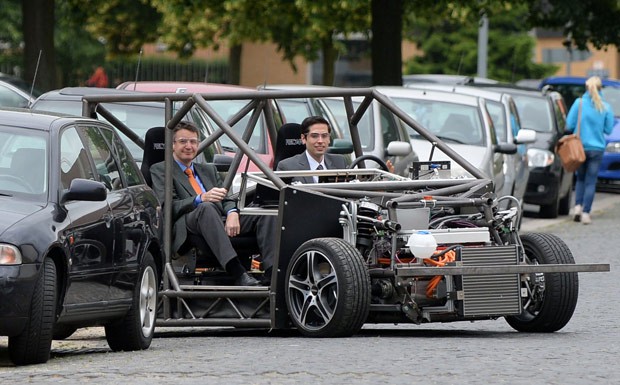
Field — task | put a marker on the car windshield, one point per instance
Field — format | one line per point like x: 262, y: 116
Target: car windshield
x: 337, y: 109
x: 23, y: 163
x: 138, y: 117
x: 535, y: 113
x: 570, y: 92
x: 226, y: 109
x: 452, y: 122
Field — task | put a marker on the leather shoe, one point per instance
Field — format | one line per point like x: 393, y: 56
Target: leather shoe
x: 246, y: 280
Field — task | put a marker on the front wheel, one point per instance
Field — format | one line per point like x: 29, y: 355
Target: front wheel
x: 327, y: 288
x: 135, y: 331
x: 34, y: 344
x: 552, y: 297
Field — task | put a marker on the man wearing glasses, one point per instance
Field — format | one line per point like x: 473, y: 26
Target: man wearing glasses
x: 315, y: 134
x: 199, y: 203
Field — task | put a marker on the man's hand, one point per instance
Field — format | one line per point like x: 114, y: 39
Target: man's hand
x: 232, y: 225
x: 216, y: 194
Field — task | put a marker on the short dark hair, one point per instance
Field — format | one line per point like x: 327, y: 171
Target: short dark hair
x: 185, y: 125
x: 312, y: 120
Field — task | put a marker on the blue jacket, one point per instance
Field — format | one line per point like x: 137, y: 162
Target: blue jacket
x: 594, y: 125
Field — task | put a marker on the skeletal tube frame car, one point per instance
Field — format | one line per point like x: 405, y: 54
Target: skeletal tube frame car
x: 349, y: 249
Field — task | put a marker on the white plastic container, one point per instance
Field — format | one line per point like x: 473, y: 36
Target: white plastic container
x: 422, y: 244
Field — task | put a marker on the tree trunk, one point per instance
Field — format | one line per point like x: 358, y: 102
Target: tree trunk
x: 386, y: 42
x: 234, y: 58
x: 38, y: 31
x: 329, y: 61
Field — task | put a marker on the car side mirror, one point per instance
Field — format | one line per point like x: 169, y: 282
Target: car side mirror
x: 505, y: 148
x: 399, y: 148
x: 525, y: 136
x: 84, y: 190
x: 340, y: 146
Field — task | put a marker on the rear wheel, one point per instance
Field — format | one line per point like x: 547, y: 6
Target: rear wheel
x: 552, y: 297
x: 135, y: 331
x: 34, y: 344
x: 327, y: 288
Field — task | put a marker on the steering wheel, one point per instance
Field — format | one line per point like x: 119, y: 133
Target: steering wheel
x: 374, y: 158
x: 19, y: 182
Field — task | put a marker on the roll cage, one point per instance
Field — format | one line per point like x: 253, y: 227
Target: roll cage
x: 343, y: 198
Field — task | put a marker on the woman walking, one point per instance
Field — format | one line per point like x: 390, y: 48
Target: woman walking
x: 597, y: 119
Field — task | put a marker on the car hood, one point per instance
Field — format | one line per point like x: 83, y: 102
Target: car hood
x: 12, y: 212
x: 476, y: 155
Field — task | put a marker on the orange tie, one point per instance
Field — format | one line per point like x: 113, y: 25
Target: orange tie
x: 193, y: 181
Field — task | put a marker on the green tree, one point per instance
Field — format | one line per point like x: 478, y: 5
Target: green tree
x: 450, y: 46
x: 298, y: 27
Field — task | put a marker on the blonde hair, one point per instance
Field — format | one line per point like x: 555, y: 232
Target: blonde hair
x: 593, y: 86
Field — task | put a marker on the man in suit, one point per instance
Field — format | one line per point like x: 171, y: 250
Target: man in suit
x: 199, y: 203
x: 315, y: 134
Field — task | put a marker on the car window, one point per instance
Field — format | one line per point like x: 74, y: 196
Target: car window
x: 129, y: 168
x: 498, y: 116
x: 535, y: 113
x: 294, y: 110
x: 74, y: 161
x: 389, y: 127
x: 455, y: 122
x: 612, y: 96
x: 23, y: 163
x: 10, y: 98
x: 105, y: 164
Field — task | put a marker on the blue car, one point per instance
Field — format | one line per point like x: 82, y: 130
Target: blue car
x: 572, y: 87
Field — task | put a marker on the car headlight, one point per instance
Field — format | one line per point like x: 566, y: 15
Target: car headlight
x: 613, y: 147
x: 9, y: 255
x: 539, y: 158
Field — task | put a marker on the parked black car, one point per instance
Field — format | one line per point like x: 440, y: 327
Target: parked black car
x: 79, y: 235
x: 549, y: 185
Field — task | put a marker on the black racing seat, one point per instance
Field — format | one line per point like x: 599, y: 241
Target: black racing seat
x: 288, y: 142
x: 154, y: 151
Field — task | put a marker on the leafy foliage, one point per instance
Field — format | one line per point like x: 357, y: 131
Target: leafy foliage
x: 450, y: 45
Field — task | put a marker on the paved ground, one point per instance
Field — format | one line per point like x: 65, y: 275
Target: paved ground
x: 463, y: 353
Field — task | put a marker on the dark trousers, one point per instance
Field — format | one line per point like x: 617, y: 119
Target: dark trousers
x: 206, y: 220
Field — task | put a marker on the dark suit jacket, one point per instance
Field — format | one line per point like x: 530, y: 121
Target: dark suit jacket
x: 300, y: 162
x: 183, y: 195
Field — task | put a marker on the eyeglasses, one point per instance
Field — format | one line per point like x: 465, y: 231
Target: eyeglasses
x: 316, y: 135
x: 185, y: 141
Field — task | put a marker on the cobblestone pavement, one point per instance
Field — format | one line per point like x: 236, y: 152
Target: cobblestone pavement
x: 487, y: 352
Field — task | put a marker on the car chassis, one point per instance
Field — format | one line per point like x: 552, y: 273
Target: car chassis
x: 348, y: 248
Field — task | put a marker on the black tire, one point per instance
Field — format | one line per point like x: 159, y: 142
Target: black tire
x: 565, y: 202
x: 135, y: 331
x: 553, y: 296
x: 62, y: 332
x: 34, y: 344
x: 374, y: 158
x: 327, y: 288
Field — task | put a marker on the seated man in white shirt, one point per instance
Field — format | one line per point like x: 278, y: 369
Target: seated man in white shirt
x: 315, y: 134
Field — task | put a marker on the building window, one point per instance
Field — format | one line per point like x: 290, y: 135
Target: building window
x: 560, y: 55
